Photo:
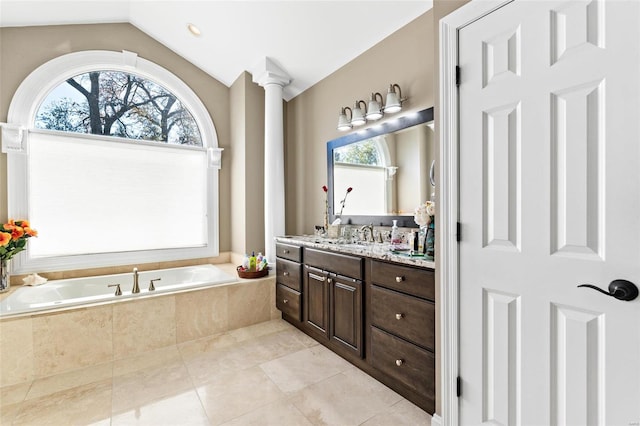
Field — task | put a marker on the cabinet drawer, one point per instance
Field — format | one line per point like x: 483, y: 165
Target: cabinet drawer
x: 288, y: 273
x: 288, y: 301
x: 417, y: 282
x: 289, y: 251
x: 409, y: 364
x: 406, y: 316
x: 341, y: 264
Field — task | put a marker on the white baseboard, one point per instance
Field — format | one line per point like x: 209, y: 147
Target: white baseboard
x: 436, y: 420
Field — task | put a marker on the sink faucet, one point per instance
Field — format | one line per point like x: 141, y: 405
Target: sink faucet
x: 136, y: 287
x: 369, y: 228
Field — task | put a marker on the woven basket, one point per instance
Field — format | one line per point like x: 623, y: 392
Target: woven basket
x: 252, y: 274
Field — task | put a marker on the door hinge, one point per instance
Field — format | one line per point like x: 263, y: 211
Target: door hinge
x: 458, y: 231
x: 457, y: 75
x: 458, y: 386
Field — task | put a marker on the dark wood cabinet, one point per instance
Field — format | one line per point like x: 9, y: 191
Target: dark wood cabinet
x: 316, y: 301
x: 346, y: 313
x: 289, y: 251
x: 408, y: 317
x: 401, y: 329
x: 289, y: 273
x: 288, y: 301
x: 289, y: 281
x: 377, y: 314
x: 333, y: 298
x: 412, y: 366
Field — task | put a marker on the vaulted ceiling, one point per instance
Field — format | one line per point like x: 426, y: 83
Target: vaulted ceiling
x: 308, y: 39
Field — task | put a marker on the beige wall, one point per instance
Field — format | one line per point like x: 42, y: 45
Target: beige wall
x: 23, y: 49
x: 405, y: 57
x: 247, y: 166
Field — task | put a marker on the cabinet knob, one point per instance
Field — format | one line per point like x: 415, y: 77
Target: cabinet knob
x: 329, y: 280
x: 399, y: 316
x: 285, y: 301
x: 285, y: 273
x: 399, y: 362
x: 285, y: 251
x: 399, y: 279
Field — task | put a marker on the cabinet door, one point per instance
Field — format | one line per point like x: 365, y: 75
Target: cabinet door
x: 316, y: 301
x: 346, y: 313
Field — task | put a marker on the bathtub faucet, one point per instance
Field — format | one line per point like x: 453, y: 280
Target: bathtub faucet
x: 136, y: 287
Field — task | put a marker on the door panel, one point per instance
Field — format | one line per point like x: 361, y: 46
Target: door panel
x: 576, y: 152
x: 577, y: 366
x: 346, y: 313
x: 316, y: 301
x: 502, y: 357
x: 549, y: 198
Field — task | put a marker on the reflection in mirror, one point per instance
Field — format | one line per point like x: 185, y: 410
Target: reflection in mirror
x: 388, y: 169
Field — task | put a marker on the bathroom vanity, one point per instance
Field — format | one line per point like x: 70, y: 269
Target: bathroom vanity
x: 374, y: 308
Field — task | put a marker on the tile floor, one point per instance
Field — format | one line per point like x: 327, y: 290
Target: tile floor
x: 266, y: 374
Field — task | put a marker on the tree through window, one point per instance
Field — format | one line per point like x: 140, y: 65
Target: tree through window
x: 115, y: 103
x: 365, y: 153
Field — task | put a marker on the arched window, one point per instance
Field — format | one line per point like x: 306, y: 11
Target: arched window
x: 118, y: 103
x: 117, y: 164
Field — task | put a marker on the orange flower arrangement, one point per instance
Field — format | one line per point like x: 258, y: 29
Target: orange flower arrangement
x: 13, y: 237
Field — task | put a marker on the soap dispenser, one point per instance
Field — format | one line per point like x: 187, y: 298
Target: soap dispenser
x: 395, y: 234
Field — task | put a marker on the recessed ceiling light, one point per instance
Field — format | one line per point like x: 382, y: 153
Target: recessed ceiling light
x: 193, y: 30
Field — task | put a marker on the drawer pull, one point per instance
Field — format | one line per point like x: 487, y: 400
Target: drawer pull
x: 285, y: 273
x: 399, y: 316
x: 399, y: 279
x: 399, y: 362
x: 317, y: 277
x: 285, y: 251
x: 285, y: 301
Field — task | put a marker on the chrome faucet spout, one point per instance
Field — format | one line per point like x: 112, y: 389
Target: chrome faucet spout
x: 136, y: 287
x: 369, y: 228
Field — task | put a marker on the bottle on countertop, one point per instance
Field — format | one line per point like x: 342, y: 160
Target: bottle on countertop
x: 396, y: 239
x: 252, y: 261
x: 414, y: 241
x: 245, y: 262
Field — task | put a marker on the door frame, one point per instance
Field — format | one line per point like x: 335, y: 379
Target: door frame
x: 448, y: 179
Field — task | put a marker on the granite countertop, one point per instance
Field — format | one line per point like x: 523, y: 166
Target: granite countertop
x: 373, y: 250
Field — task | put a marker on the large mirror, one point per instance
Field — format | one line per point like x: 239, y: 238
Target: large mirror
x: 388, y: 166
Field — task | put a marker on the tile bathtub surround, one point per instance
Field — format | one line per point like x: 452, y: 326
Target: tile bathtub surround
x: 195, y: 383
x: 42, y: 345
x: 73, y: 339
x: 16, y: 351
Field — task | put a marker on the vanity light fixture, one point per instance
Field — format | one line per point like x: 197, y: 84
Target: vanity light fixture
x: 394, y: 100
x: 358, y: 116
x: 194, y: 30
x: 344, y: 122
x: 375, y: 107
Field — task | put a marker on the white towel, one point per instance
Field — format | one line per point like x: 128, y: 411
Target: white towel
x: 34, y: 279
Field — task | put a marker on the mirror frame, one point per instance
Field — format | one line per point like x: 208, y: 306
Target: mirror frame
x: 410, y: 120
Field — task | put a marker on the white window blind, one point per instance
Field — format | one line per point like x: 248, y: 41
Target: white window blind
x: 89, y: 195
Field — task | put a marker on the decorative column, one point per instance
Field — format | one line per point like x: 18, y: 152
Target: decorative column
x: 273, y: 79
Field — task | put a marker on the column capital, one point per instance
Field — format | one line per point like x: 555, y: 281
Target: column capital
x: 268, y: 72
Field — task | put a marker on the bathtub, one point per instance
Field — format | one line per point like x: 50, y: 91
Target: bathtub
x: 90, y: 290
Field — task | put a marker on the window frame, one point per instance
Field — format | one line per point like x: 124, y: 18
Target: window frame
x: 22, y: 113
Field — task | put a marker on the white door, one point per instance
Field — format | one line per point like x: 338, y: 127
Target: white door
x: 550, y: 199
